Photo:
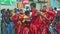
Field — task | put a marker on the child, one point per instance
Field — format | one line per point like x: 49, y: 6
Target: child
x: 3, y: 22
x: 18, y: 18
x: 26, y: 22
x: 10, y: 23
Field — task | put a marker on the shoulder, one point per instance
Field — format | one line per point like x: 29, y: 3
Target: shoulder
x: 51, y: 12
x: 35, y: 10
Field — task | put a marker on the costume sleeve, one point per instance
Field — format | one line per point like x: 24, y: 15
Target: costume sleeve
x: 51, y: 15
x: 15, y: 17
x: 21, y: 17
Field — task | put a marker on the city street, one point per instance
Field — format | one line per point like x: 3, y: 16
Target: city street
x: 29, y: 16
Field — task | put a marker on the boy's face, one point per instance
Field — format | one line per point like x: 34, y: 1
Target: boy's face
x: 31, y: 6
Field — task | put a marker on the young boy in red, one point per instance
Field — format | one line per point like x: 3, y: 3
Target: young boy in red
x: 18, y: 18
x: 26, y: 22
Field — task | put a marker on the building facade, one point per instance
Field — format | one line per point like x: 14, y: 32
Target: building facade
x: 55, y: 3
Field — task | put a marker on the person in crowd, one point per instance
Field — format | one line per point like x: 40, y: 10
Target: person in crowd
x: 34, y: 11
x: 26, y: 23
x: 18, y: 18
x: 58, y: 21
x: 56, y: 24
x: 3, y: 22
x: 13, y: 30
x: 36, y: 21
x: 51, y: 15
x: 27, y: 8
x: 10, y: 23
x: 44, y: 21
x: 18, y: 11
x: 41, y: 20
x: 15, y: 19
x: 15, y: 9
x: 13, y: 12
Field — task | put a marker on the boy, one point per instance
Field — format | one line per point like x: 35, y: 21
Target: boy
x: 26, y: 22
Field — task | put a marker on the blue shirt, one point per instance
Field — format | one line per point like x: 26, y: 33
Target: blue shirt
x: 17, y: 12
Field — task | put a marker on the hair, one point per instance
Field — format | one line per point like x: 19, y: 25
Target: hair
x: 27, y: 7
x: 33, y: 4
x: 27, y: 12
x: 3, y: 11
x: 55, y: 8
x: 44, y: 6
x: 7, y: 9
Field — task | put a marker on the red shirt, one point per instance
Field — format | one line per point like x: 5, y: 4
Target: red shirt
x: 35, y: 20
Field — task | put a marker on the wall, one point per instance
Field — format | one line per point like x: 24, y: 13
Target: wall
x: 8, y: 6
x: 54, y: 3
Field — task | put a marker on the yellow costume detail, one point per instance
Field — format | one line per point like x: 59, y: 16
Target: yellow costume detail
x: 25, y: 17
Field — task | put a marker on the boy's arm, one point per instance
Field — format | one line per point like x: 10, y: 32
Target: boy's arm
x: 39, y: 13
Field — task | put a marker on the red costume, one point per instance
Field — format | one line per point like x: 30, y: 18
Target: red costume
x: 35, y: 22
x: 26, y: 24
x: 26, y: 30
x: 40, y: 24
x: 58, y: 29
x: 45, y: 23
x: 18, y: 18
x: 35, y: 19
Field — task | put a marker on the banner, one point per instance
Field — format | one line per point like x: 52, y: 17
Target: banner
x: 8, y: 2
x: 1, y: 1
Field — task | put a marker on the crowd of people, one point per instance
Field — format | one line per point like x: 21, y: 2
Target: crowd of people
x: 16, y: 21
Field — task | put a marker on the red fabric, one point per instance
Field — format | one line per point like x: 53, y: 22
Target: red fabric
x: 21, y: 17
x: 35, y: 22
x: 58, y: 13
x: 33, y: 29
x: 15, y: 19
x: 44, y: 24
x: 51, y: 15
x: 18, y: 18
x: 58, y: 27
x: 40, y: 24
x: 26, y: 30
